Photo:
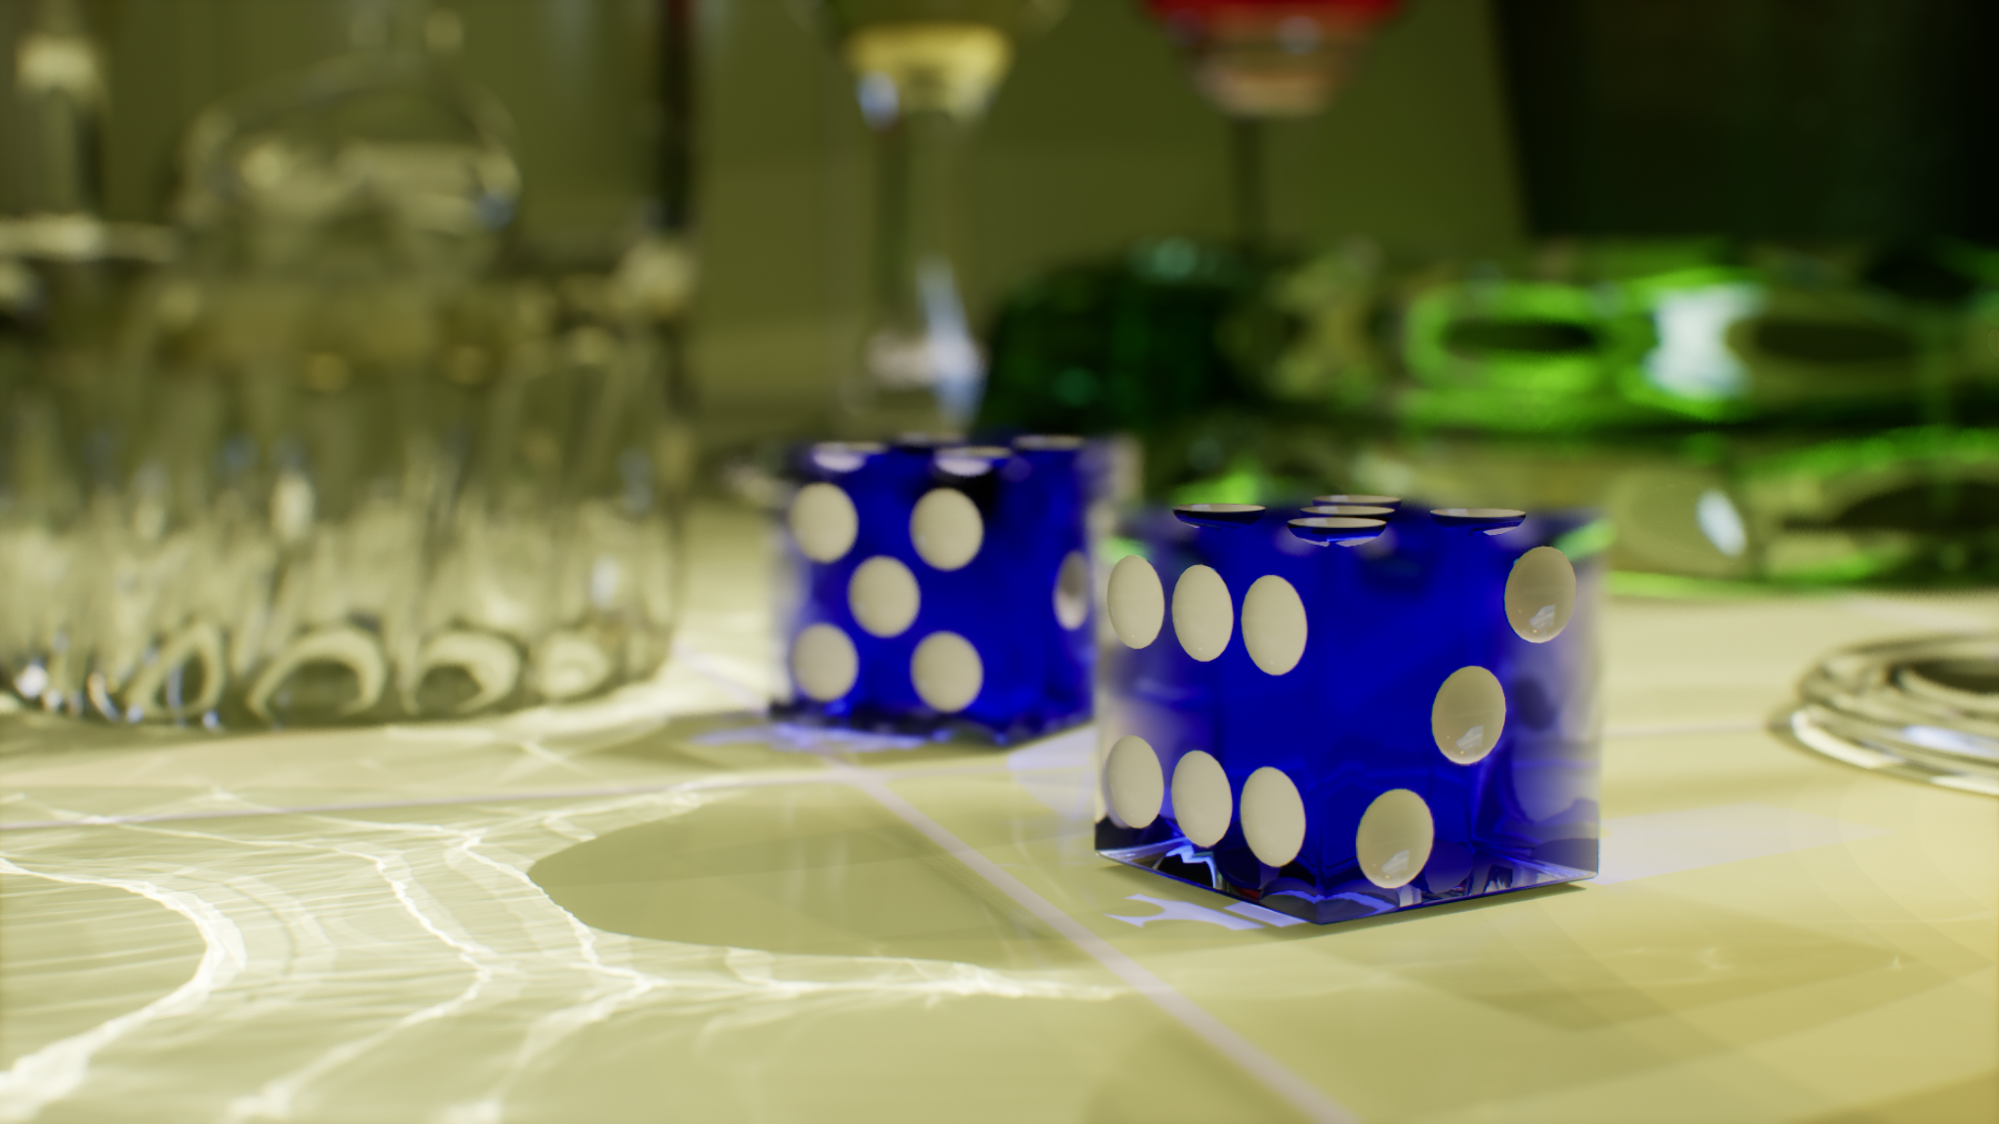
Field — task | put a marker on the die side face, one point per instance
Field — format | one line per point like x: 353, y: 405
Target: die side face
x: 959, y: 580
x: 1406, y: 743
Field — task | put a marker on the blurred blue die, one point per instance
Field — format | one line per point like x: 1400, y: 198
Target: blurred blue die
x: 1353, y: 708
x: 940, y: 589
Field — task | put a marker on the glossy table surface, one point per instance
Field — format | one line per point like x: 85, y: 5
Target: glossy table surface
x: 660, y: 906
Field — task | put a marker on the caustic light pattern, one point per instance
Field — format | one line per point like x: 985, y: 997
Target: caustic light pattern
x: 940, y: 589
x: 1351, y: 709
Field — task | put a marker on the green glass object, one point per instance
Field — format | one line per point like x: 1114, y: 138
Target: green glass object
x: 1741, y: 412
x: 1193, y: 349
x: 1532, y: 357
x: 1133, y: 344
x: 1571, y: 340
x: 1911, y: 505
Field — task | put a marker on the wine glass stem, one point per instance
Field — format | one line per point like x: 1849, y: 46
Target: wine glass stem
x: 917, y: 219
x: 1247, y: 182
x: 923, y: 369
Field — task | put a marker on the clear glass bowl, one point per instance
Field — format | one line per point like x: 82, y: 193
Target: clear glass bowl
x: 334, y: 465
x: 405, y: 507
x: 1926, y: 709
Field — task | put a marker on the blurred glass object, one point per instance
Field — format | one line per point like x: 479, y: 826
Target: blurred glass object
x: 1636, y: 335
x: 1924, y: 709
x: 1271, y: 58
x: 81, y: 262
x: 382, y: 160
x: 338, y: 466
x: 1759, y: 411
x: 1173, y: 342
x: 1907, y: 506
x: 924, y: 72
x: 1259, y: 60
x: 59, y: 82
x: 1778, y: 415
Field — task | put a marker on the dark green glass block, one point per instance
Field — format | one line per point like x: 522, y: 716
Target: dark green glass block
x: 1136, y: 344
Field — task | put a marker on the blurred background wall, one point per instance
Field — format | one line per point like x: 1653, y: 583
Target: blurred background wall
x: 1095, y: 139
x: 1788, y: 118
x: 1473, y: 125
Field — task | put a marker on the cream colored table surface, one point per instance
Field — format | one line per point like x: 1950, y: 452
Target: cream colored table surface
x: 661, y: 907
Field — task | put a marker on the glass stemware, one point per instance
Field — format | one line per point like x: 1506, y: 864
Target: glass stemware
x: 925, y: 70
x: 1263, y: 60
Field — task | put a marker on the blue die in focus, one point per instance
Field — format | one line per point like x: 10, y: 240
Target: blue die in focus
x: 939, y: 590
x: 1352, y: 709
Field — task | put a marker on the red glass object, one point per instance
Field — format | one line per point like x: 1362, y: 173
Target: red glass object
x: 1271, y: 58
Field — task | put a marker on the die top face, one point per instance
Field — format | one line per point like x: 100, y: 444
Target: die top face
x: 1412, y: 710
x: 1218, y: 515
x: 1363, y: 511
x: 1342, y: 529
x: 1360, y: 499
x: 938, y: 584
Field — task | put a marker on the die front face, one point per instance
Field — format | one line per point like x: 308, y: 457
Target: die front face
x: 1345, y: 729
x: 936, y: 590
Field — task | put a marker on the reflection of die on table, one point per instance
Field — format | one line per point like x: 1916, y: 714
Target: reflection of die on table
x: 940, y: 589
x: 1355, y: 708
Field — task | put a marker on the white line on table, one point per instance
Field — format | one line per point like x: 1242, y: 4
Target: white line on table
x: 52, y: 1072
x: 1273, y: 1074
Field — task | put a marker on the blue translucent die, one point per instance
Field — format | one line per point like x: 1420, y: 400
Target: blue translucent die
x: 940, y: 590
x: 1352, y: 708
